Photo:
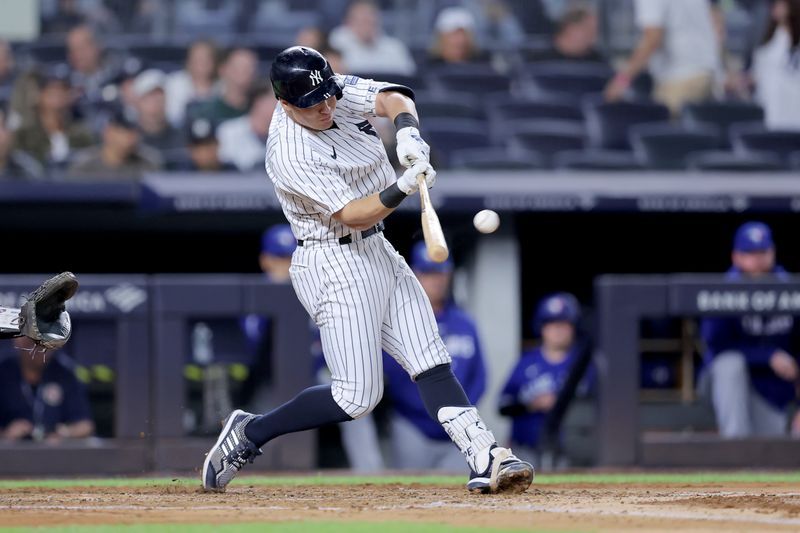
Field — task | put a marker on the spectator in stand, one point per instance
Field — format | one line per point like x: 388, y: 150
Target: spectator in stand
x: 197, y: 82
x: 41, y: 399
x: 749, y: 366
x: 8, y: 69
x: 237, y: 74
x: 364, y: 46
x: 204, y: 148
x: 312, y: 37
x: 151, y: 115
x: 120, y: 156
x: 242, y: 141
x: 455, y: 38
x: 15, y: 164
x: 776, y: 67
x: 495, y: 23
x: 119, y: 92
x: 53, y: 136
x: 680, y: 44
x: 575, y: 38
x: 91, y: 71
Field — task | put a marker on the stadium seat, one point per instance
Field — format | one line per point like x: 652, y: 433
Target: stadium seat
x: 722, y: 115
x: 608, y: 123
x: 596, y: 160
x: 734, y: 161
x: 48, y: 52
x: 448, y: 135
x: 416, y: 83
x: 455, y: 105
x: 151, y: 53
x: 495, y: 159
x: 477, y: 79
x: 568, y: 77
x: 505, y: 115
x: 665, y: 146
x: 749, y: 138
x: 794, y: 160
x: 548, y: 137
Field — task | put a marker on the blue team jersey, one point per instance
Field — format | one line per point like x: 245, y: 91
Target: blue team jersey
x: 757, y: 337
x: 461, y: 338
x: 58, y: 399
x: 534, y: 376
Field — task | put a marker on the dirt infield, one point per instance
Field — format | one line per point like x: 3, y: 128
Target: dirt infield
x: 574, y: 507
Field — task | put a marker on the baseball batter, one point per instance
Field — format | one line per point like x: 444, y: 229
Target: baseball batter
x: 335, y: 183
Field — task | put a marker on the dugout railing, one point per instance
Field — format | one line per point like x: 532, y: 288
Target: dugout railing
x: 622, y: 302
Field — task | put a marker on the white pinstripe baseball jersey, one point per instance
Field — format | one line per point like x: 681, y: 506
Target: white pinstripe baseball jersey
x: 316, y: 173
x: 362, y: 295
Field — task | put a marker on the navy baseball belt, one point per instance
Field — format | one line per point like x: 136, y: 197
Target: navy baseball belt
x: 347, y: 239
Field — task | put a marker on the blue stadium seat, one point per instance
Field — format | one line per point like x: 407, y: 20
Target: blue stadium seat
x: 548, y: 137
x: 722, y: 115
x: 666, y: 147
x: 569, y: 77
x: 608, y: 123
x: 454, y: 105
x: 475, y: 79
x: 506, y: 115
x: 794, y: 160
x: 495, y: 159
x: 735, y: 161
x: 416, y: 83
x: 448, y: 135
x: 754, y: 138
x: 596, y: 160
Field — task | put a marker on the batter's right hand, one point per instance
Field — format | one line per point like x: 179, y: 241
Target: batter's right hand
x: 408, y: 181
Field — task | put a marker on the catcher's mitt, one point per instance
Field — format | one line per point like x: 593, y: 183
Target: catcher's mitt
x: 43, y: 317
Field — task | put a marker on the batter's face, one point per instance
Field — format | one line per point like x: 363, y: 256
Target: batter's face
x: 317, y: 117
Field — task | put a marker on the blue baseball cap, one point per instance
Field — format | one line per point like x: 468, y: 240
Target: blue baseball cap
x: 422, y: 262
x: 278, y: 240
x: 558, y: 307
x: 753, y: 237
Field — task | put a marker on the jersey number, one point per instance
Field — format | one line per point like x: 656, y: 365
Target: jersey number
x: 367, y: 128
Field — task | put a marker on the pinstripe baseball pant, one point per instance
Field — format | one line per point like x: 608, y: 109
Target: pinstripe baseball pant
x: 364, y: 298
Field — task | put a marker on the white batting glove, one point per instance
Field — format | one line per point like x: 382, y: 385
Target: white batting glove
x: 410, y: 147
x: 408, y: 181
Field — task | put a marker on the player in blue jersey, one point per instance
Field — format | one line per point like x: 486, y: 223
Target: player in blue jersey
x: 752, y: 373
x: 418, y: 442
x: 533, y: 387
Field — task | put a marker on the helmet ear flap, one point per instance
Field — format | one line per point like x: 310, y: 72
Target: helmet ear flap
x: 340, y: 84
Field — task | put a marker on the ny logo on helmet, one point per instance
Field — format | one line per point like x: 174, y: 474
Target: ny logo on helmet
x: 316, y: 77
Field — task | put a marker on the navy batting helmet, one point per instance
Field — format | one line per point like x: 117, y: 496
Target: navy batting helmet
x: 558, y: 307
x: 303, y: 77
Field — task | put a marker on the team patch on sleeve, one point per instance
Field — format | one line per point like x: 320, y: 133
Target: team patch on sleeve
x: 351, y: 80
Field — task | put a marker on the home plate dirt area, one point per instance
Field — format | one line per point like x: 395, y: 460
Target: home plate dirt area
x: 571, y: 506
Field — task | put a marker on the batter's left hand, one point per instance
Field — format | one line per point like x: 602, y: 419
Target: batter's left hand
x: 408, y: 180
x: 411, y: 148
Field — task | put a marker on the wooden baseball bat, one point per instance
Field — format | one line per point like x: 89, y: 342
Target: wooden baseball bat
x: 431, y: 228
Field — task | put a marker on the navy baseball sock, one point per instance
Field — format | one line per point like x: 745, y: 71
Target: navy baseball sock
x: 311, y: 408
x: 439, y: 388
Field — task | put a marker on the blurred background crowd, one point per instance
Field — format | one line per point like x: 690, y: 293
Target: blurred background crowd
x: 110, y: 89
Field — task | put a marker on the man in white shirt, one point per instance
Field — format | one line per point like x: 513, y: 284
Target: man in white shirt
x: 243, y: 140
x: 681, y: 46
x: 364, y: 46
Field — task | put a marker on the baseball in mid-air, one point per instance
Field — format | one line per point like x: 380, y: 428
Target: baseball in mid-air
x: 486, y: 221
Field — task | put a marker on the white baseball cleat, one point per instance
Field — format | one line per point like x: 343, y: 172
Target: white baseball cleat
x: 505, y: 473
